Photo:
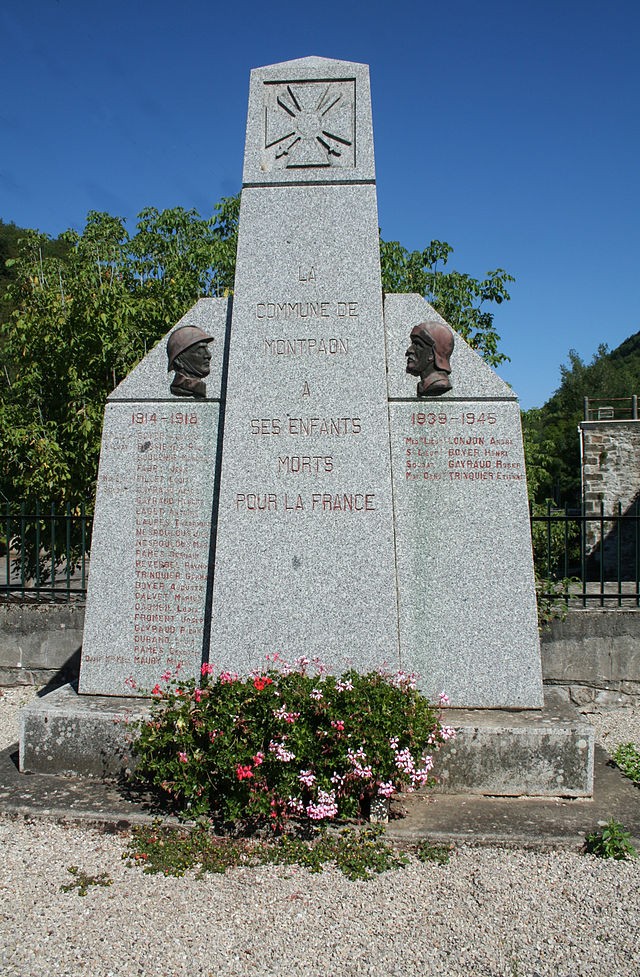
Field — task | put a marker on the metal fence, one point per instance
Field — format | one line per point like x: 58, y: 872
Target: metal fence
x: 44, y: 554
x: 596, y: 553
x: 611, y: 408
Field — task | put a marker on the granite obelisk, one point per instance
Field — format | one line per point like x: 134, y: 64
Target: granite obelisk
x: 305, y: 557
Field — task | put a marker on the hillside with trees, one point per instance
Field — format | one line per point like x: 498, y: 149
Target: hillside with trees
x: 551, y: 431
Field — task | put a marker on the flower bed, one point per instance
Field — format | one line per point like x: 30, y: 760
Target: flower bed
x: 289, y: 742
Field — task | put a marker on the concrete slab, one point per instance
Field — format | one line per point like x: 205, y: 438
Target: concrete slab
x: 545, y: 752
x: 77, y: 735
x: 520, y: 822
x: 535, y: 823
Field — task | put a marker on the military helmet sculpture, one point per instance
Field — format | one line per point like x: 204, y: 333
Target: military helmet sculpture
x: 189, y: 356
x: 429, y: 357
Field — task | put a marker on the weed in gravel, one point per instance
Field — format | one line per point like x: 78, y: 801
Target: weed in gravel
x: 440, y: 854
x: 359, y: 854
x: 627, y: 757
x: 82, y: 880
x: 614, y: 841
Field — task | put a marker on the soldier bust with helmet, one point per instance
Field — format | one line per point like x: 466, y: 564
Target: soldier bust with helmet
x: 428, y: 357
x: 189, y: 355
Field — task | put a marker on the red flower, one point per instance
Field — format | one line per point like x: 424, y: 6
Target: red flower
x: 243, y: 773
x: 261, y: 682
x: 156, y: 690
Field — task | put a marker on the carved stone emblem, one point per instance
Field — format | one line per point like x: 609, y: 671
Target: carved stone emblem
x: 189, y: 355
x: 310, y: 124
x: 428, y: 357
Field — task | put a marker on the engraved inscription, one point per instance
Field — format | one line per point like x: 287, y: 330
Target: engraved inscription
x: 456, y: 446
x: 169, y: 531
x: 306, y: 310
x: 309, y: 124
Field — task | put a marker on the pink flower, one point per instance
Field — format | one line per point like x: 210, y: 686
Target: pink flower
x: 307, y: 778
x: 405, y: 762
x: 281, y: 752
x: 295, y: 804
x: 197, y: 694
x: 183, y: 758
x: 207, y: 669
x: 228, y: 677
x: 316, y: 694
x: 166, y: 676
x: 338, y: 724
x: 258, y: 758
x: 156, y: 690
x: 447, y: 733
x: 282, y: 713
x: 325, y: 808
x: 444, y: 699
x: 346, y: 686
x: 355, y: 756
x: 386, y: 789
x: 130, y: 682
x: 243, y: 772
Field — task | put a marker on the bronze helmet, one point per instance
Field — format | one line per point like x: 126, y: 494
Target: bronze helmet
x: 440, y: 337
x: 183, y: 338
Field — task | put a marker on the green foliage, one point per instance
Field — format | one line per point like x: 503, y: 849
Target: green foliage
x: 552, y: 598
x: 627, y: 757
x: 551, y: 432
x: 614, y: 841
x: 358, y: 854
x: 83, y: 315
x: 440, y: 854
x: 457, y: 297
x: 82, y: 881
x: 286, y: 744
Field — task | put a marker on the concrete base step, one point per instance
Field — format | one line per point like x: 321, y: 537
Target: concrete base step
x: 535, y: 753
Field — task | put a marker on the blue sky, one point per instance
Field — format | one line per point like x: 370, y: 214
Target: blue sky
x: 509, y: 129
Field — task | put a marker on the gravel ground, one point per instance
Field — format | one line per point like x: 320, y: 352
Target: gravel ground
x: 488, y: 912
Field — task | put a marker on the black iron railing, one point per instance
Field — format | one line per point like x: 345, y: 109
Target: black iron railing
x: 44, y: 552
x: 595, y: 552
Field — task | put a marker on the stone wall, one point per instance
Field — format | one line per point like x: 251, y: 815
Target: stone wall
x: 39, y: 643
x: 593, y: 656
x: 610, y: 475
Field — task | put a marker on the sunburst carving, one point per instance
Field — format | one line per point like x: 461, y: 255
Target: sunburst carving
x: 310, y: 124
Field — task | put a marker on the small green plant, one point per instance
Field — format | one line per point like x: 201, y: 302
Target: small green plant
x: 440, y: 854
x: 173, y: 851
x: 627, y: 757
x: 553, y: 599
x: 82, y: 880
x: 614, y: 841
x: 292, y: 743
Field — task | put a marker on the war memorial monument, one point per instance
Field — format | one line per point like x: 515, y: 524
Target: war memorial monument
x: 313, y: 468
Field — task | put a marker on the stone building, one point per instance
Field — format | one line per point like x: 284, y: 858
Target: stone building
x: 610, y: 451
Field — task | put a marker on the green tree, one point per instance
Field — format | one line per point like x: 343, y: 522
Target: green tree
x: 552, y: 430
x: 82, y: 310
x: 80, y: 320
x: 458, y: 297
